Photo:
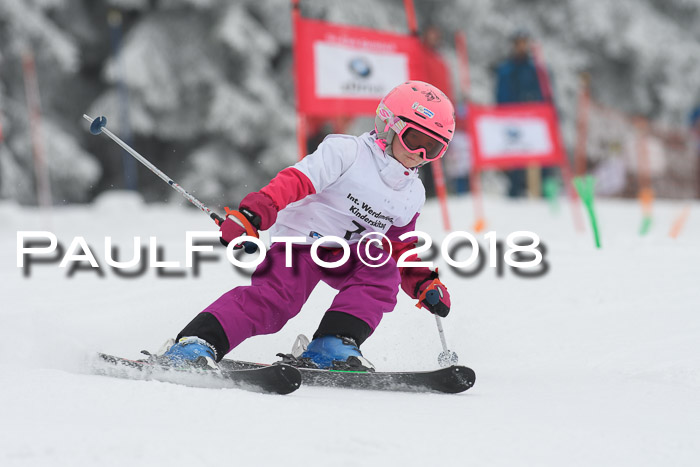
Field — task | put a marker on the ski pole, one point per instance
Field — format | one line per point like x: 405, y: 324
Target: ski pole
x: 98, y: 125
x: 446, y: 357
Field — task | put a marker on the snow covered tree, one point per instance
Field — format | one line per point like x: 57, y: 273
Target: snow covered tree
x: 207, y: 85
x: 35, y: 32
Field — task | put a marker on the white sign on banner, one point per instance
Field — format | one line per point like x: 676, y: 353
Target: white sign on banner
x: 345, y: 72
x: 503, y: 137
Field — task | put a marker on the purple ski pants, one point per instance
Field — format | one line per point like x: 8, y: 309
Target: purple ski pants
x: 277, y: 293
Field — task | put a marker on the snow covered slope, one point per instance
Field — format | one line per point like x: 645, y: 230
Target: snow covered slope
x: 595, y: 363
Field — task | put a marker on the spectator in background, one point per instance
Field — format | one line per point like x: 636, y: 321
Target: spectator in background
x: 610, y: 171
x: 695, y: 131
x: 432, y: 37
x: 457, y: 163
x: 518, y: 80
x: 458, y: 156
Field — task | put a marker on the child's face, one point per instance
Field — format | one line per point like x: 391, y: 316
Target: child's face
x: 401, y: 154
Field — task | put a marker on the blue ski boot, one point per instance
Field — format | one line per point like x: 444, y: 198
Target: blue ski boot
x: 336, y: 353
x: 190, y: 351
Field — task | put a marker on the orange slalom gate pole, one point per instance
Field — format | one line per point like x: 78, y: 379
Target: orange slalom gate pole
x: 41, y: 169
x: 474, y: 174
x: 301, y: 135
x: 542, y: 76
x: 438, y: 173
x: 571, y: 191
x: 463, y: 63
x: 582, y: 126
x: 301, y: 117
x: 475, y: 181
x: 679, y: 223
x: 411, y: 17
x: 546, y: 87
x: 646, y: 193
x: 440, y: 190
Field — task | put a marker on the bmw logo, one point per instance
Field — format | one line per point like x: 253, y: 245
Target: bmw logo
x: 513, y: 134
x: 360, y: 67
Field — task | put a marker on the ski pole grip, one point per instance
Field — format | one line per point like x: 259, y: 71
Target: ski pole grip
x: 216, y: 218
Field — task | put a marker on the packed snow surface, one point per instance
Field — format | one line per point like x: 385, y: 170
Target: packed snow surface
x: 596, y: 362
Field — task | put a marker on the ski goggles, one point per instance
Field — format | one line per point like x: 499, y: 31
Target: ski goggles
x: 413, y: 137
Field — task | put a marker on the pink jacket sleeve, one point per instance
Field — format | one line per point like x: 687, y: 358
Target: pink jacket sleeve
x: 288, y: 186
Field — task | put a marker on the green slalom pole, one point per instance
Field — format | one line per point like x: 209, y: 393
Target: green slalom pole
x: 646, y: 225
x: 585, y: 186
x: 646, y: 197
x: 551, y: 192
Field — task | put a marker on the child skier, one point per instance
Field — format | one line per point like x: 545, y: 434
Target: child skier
x: 349, y: 186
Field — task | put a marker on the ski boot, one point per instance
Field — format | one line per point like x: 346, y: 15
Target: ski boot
x: 335, y: 353
x: 188, y: 352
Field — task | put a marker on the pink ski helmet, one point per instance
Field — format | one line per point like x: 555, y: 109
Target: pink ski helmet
x: 421, y: 115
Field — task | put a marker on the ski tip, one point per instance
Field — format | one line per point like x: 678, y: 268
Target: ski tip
x: 291, y: 376
x: 97, y: 125
x: 463, y: 378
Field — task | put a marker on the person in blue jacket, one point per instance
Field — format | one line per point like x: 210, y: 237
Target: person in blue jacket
x: 694, y: 121
x: 518, y: 80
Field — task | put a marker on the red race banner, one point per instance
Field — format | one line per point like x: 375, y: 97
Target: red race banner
x: 346, y: 70
x: 515, y: 135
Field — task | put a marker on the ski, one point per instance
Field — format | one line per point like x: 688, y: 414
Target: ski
x: 451, y: 380
x: 279, y: 379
